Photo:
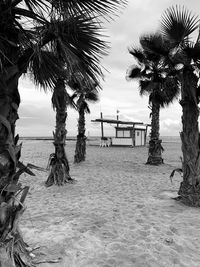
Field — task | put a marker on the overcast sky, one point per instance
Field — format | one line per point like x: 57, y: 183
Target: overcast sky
x: 140, y: 16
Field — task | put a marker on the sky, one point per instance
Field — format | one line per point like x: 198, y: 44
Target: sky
x: 37, y: 117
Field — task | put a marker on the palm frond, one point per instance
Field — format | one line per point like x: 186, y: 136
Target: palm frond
x: 133, y: 72
x: 77, y: 39
x: 72, y: 102
x: 170, y: 90
x: 193, y: 51
x: 155, y: 43
x: 166, y: 92
x: 73, y: 84
x: 87, y: 109
x: 27, y: 14
x: 105, y: 8
x: 92, y: 96
x: 37, y: 6
x: 178, y: 23
x: 45, y: 69
x: 146, y: 87
x: 15, y: 35
x: 198, y: 94
x: 4, y: 59
x: 81, y: 83
x: 138, y: 54
x: 152, y: 57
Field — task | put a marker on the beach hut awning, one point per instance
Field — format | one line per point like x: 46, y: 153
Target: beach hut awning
x: 118, y: 121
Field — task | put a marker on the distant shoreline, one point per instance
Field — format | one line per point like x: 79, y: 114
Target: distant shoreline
x: 165, y: 139
x: 50, y: 138
x: 45, y: 138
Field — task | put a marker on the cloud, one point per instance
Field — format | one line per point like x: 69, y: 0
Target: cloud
x: 170, y: 120
x: 170, y: 127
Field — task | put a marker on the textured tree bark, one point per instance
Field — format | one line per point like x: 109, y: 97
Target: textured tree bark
x: 80, y: 150
x: 189, y: 190
x: 59, y: 166
x: 13, y: 250
x: 155, y: 147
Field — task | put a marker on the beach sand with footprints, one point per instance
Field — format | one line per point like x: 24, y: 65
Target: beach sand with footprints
x: 119, y: 213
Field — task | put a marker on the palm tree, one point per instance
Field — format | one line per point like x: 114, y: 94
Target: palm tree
x: 89, y: 45
x: 157, y: 81
x: 177, y: 25
x: 58, y: 162
x: 29, y: 32
x: 86, y: 94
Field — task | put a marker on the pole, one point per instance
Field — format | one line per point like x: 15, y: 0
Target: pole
x: 133, y: 137
x: 102, y: 134
x: 145, y: 136
x: 117, y: 117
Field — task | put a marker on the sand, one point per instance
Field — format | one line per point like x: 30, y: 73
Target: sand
x: 119, y: 213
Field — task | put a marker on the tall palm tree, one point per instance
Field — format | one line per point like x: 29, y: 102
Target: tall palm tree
x: 28, y: 35
x: 86, y: 94
x: 91, y: 48
x: 157, y: 81
x: 89, y: 45
x: 177, y: 25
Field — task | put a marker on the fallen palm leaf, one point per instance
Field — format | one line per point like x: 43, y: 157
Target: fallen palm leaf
x: 47, y: 261
x: 36, y: 167
x: 24, y: 168
x: 24, y: 194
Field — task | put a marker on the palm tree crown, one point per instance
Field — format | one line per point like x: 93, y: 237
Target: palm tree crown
x: 155, y: 78
x: 85, y: 95
x: 67, y: 27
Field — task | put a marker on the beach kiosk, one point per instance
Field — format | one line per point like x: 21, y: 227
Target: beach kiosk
x: 130, y: 136
x: 127, y: 133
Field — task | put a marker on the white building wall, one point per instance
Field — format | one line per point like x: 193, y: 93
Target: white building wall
x: 122, y: 141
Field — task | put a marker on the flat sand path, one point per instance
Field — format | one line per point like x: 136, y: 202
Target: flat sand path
x: 119, y: 213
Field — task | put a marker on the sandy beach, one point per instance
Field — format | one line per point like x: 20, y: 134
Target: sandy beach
x: 119, y: 213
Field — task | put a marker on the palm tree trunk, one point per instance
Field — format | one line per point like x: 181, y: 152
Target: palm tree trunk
x: 13, y: 250
x: 189, y: 190
x: 59, y: 166
x: 80, y: 151
x: 155, y: 147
